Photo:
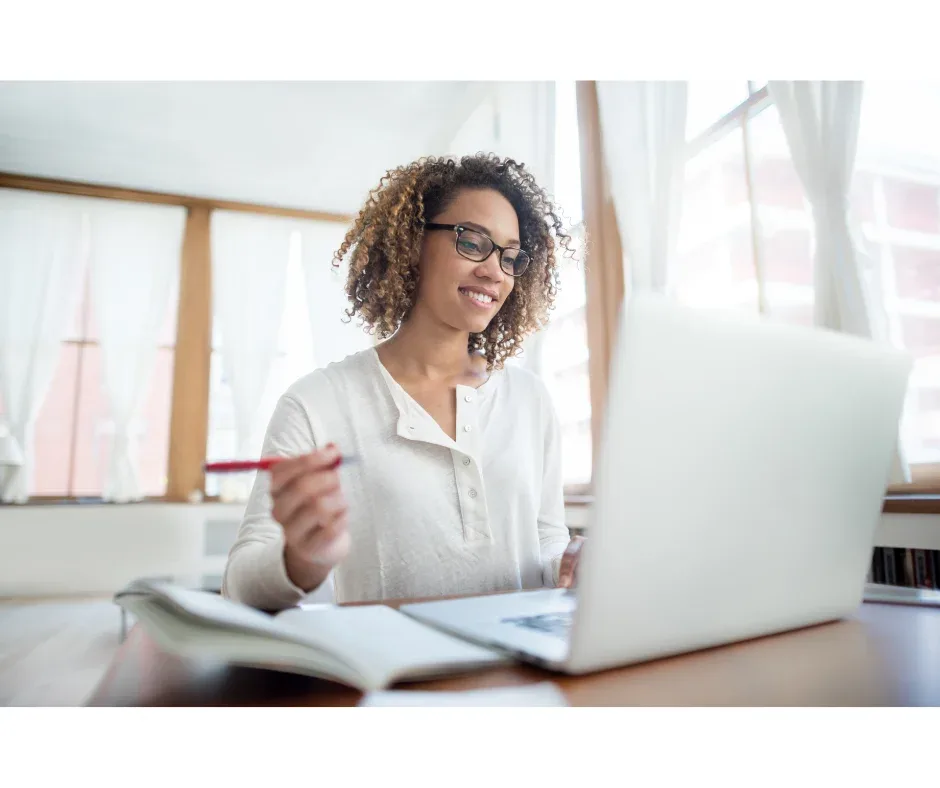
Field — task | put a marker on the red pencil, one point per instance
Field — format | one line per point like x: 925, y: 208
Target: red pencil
x: 264, y: 464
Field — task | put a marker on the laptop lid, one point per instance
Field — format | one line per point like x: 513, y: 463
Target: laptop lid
x: 739, y: 483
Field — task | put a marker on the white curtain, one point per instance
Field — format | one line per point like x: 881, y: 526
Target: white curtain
x: 40, y: 269
x: 525, y: 126
x: 135, y: 263
x: 249, y: 268
x: 820, y: 121
x: 516, y: 120
x: 477, y: 125
x: 333, y: 338
x: 643, y: 132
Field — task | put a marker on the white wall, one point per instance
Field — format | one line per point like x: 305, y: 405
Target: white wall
x: 79, y: 549
x: 909, y: 530
x: 85, y: 550
x: 514, y: 120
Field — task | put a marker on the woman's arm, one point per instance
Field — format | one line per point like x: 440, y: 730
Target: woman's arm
x: 553, y: 533
x: 255, y: 573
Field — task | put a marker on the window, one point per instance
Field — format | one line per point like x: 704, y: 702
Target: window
x: 896, y: 194
x: 309, y: 275
x: 744, y: 211
x: 783, y: 224
x: 73, y: 435
x: 294, y: 359
x: 563, y: 350
x: 710, y: 101
x: 714, y: 255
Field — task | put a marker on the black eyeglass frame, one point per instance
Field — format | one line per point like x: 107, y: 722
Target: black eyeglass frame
x: 459, y: 229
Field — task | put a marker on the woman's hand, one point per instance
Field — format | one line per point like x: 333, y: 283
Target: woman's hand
x: 568, y: 570
x: 309, y: 504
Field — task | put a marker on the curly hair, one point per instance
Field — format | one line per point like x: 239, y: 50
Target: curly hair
x: 386, y: 239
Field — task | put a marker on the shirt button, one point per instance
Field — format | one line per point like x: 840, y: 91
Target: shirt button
x: 468, y: 398
x: 411, y: 427
x: 466, y: 460
x: 467, y: 428
x: 472, y: 493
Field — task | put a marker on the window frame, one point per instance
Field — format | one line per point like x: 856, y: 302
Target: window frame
x: 192, y: 348
x: 922, y: 495
x: 82, y: 344
x: 925, y: 477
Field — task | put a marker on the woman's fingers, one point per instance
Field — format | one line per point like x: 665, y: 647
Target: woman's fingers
x: 308, y: 502
x: 567, y: 570
x: 301, y: 491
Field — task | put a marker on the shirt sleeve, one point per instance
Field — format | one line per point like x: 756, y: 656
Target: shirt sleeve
x: 255, y: 573
x: 553, y: 533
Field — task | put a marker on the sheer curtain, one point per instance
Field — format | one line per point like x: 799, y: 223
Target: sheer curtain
x: 820, y: 121
x: 135, y: 263
x: 333, y: 337
x: 520, y: 125
x: 40, y: 260
x: 249, y: 269
x: 526, y: 127
x: 643, y: 131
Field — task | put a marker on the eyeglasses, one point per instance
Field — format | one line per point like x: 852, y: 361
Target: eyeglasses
x: 477, y: 246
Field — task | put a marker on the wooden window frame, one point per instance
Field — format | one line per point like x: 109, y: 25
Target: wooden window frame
x: 189, y: 409
x: 604, y: 276
x: 605, y: 272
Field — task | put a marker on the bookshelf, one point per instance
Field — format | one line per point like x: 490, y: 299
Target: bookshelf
x: 905, y: 566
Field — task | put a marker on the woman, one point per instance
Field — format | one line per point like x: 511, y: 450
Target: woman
x: 456, y: 483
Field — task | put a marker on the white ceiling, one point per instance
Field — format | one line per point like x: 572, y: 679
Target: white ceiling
x: 314, y: 145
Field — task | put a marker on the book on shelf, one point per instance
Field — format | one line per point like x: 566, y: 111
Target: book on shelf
x: 905, y: 567
x: 923, y: 574
x: 891, y: 566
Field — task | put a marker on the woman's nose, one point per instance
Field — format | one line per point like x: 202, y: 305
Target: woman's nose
x: 492, y: 267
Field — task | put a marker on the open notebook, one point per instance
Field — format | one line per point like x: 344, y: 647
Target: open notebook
x: 368, y: 648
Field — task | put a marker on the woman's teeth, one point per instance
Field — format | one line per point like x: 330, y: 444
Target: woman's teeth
x: 479, y: 297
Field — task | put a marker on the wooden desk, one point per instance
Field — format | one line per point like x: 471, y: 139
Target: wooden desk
x: 884, y: 655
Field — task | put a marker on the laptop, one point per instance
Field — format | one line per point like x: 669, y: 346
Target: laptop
x: 738, y: 485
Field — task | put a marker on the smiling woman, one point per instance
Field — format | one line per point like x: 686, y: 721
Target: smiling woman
x: 458, y: 487
x: 390, y: 229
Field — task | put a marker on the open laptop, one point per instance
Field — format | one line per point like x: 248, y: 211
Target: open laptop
x: 739, y: 483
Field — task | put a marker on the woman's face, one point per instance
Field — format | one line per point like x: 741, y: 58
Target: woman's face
x: 461, y: 293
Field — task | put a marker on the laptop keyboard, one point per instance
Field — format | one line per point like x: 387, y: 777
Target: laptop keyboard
x: 557, y: 624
